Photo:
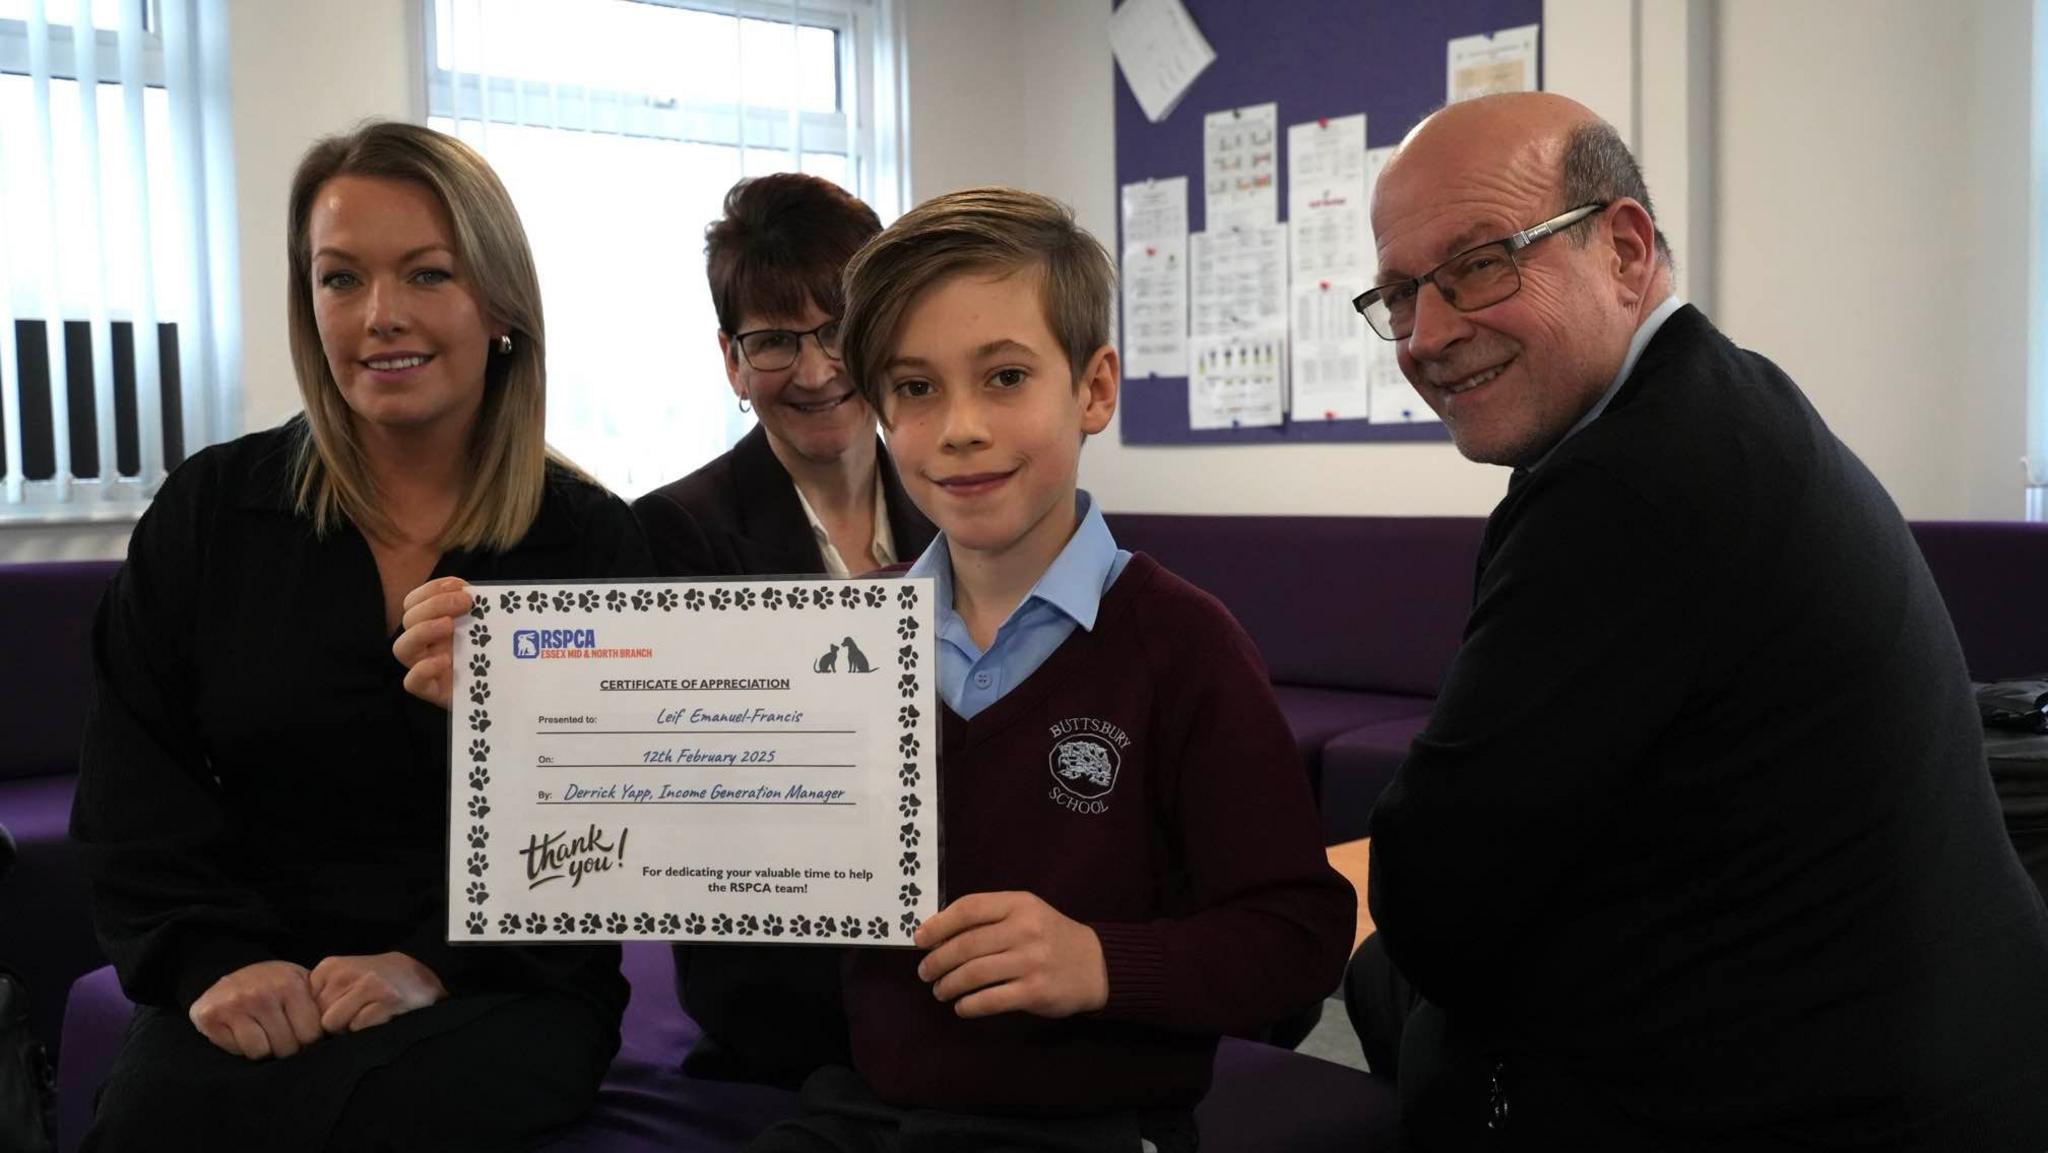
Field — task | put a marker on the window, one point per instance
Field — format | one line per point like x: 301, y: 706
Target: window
x: 618, y: 126
x: 117, y: 305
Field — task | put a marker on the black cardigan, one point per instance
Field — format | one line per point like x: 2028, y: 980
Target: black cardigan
x: 739, y: 516
x: 255, y: 782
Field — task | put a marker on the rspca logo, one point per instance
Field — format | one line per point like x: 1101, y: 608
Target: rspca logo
x: 1085, y: 758
x: 531, y: 644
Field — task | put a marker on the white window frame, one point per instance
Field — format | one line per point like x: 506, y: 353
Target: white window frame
x: 209, y: 339
x: 14, y: 48
x: 865, y: 129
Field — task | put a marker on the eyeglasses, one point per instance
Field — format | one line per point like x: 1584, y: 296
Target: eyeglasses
x: 1474, y: 279
x: 774, y: 349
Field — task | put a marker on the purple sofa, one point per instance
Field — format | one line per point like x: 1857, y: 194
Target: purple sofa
x: 45, y: 932
x: 1359, y: 617
x: 1263, y: 1098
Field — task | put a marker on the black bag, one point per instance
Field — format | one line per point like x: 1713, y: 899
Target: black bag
x: 2016, y: 745
x: 28, y: 1087
x: 2016, y: 706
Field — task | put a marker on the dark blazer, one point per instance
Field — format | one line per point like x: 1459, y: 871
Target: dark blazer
x: 1699, y: 848
x: 769, y: 1014
x: 739, y: 516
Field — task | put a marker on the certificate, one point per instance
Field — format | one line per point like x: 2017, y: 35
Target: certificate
x: 705, y: 761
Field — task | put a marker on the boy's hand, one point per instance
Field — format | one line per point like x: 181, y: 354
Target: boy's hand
x: 1011, y: 952
x: 258, y: 1011
x: 427, y: 646
x: 355, y: 993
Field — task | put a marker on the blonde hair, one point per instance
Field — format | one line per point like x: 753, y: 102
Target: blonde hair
x: 508, y: 453
x: 977, y: 228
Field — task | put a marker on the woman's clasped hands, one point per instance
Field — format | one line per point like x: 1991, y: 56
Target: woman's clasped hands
x: 276, y: 1008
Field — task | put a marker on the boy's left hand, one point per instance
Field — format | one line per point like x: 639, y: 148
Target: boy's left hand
x: 1011, y: 952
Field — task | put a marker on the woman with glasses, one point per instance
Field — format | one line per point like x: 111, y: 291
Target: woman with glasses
x: 810, y: 490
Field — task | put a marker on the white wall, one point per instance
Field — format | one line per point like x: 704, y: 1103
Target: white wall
x: 1873, y: 230
x: 1845, y: 186
x: 300, y: 71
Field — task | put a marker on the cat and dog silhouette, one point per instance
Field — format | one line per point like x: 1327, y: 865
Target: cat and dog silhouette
x: 856, y: 661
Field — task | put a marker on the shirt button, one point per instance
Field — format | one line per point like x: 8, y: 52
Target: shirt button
x: 983, y: 680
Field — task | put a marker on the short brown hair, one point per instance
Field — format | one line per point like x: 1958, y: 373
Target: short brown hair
x: 508, y: 447
x: 783, y: 238
x: 976, y: 228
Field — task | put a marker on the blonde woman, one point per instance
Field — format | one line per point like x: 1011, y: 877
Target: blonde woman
x: 262, y: 807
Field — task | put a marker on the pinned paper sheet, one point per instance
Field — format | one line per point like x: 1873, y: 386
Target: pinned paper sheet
x: 1238, y: 381
x: 1237, y: 280
x: 1160, y: 51
x: 1155, y: 278
x: 1328, y: 352
x: 1483, y: 65
x: 1241, y: 167
x: 1390, y: 398
x: 1331, y: 261
x: 1326, y: 206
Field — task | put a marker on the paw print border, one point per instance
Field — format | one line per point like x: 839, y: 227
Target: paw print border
x: 484, y: 915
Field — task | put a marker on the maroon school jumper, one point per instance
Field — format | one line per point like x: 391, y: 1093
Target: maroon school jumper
x: 1141, y: 781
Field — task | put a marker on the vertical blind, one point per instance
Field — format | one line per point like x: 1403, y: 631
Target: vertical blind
x: 618, y: 126
x: 118, y: 294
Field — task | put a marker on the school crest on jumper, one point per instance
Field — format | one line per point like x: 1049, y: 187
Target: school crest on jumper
x: 1085, y: 758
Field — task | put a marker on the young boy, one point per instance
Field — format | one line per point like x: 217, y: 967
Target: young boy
x: 1127, y: 827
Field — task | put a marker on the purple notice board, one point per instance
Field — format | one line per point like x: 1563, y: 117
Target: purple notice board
x: 1314, y: 58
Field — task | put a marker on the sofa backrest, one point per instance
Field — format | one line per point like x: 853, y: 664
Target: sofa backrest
x: 1370, y: 603
x: 1379, y: 603
x: 46, y: 627
x: 1994, y: 579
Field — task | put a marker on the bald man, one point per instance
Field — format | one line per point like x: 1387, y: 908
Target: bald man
x: 1698, y: 849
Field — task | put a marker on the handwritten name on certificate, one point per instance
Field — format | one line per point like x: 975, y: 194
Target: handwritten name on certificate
x: 709, y: 761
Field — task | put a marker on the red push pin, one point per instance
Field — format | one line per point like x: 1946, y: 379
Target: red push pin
x: 1151, y: 251
x: 1322, y: 122
x: 1325, y: 284
x: 1328, y: 415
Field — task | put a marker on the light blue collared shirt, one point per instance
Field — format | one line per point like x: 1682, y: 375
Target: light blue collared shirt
x: 1636, y: 344
x: 1066, y: 597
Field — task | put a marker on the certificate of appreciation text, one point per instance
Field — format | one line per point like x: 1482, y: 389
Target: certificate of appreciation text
x: 707, y: 761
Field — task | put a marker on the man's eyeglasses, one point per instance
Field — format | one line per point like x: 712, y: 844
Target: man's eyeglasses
x: 774, y: 349
x: 1474, y: 279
